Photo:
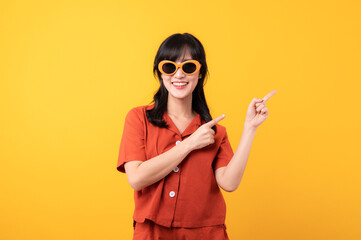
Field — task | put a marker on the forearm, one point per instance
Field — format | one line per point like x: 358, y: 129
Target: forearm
x: 156, y: 168
x: 233, y: 173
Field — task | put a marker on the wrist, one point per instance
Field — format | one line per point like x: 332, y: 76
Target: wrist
x: 249, y: 128
x: 187, y: 145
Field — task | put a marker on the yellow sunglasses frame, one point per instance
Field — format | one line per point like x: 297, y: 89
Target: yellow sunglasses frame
x: 198, y: 66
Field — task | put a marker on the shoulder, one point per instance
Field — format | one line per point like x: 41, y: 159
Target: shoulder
x: 138, y: 112
x: 221, y: 131
x: 221, y: 128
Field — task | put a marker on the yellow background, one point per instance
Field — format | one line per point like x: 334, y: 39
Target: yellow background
x: 71, y: 70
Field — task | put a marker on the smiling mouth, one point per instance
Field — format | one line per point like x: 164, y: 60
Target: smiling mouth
x: 179, y: 84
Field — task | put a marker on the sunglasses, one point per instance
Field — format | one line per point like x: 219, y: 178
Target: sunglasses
x: 189, y: 67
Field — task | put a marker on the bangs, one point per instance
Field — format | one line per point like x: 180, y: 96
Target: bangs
x: 173, y: 51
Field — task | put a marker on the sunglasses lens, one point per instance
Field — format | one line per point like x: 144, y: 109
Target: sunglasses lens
x: 189, y: 68
x: 168, y: 68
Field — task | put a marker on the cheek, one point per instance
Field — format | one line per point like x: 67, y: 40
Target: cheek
x: 166, y: 79
x: 194, y: 85
x: 166, y: 82
x: 194, y: 82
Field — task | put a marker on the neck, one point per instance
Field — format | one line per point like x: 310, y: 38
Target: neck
x: 180, y: 107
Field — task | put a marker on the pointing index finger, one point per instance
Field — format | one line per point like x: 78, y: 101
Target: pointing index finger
x: 216, y: 120
x: 269, y: 95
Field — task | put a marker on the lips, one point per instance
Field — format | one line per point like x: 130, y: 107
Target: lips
x: 179, y: 85
x: 179, y: 82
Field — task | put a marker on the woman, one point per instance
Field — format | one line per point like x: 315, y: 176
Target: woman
x: 176, y: 157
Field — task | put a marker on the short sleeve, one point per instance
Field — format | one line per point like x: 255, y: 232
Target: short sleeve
x: 132, y: 144
x: 224, y: 154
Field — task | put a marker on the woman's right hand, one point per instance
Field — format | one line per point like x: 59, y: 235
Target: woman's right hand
x: 204, y: 135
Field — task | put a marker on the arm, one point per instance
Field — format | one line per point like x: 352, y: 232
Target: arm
x: 229, y: 177
x: 141, y: 174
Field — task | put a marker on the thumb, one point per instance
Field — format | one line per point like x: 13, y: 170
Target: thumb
x: 255, y: 100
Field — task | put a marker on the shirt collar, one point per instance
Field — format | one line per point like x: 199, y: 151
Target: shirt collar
x: 191, y: 128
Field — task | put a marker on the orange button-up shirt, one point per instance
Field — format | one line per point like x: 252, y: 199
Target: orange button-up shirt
x: 189, y: 196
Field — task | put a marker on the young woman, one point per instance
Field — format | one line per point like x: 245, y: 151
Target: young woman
x: 176, y: 157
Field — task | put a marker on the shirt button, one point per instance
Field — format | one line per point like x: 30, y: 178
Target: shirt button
x: 177, y: 142
x: 171, y: 194
x: 176, y: 169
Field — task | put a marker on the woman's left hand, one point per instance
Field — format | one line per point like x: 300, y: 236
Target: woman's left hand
x: 257, y: 111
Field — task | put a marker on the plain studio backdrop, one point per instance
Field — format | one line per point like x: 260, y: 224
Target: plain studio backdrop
x: 71, y: 70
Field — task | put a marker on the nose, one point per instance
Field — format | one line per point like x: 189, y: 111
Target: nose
x: 179, y: 73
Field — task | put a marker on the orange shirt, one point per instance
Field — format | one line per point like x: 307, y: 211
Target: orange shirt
x: 189, y: 196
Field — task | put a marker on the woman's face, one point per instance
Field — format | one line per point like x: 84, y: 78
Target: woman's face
x: 191, y: 81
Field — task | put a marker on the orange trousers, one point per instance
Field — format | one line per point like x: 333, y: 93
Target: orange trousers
x: 152, y: 231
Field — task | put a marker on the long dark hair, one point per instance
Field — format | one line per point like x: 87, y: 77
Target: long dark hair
x: 171, y: 49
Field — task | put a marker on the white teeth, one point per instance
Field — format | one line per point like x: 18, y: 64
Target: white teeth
x: 179, y: 84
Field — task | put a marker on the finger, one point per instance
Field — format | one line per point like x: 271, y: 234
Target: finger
x: 257, y: 104
x: 259, y: 108
x: 264, y: 111
x: 255, y: 100
x: 269, y: 95
x: 216, y: 120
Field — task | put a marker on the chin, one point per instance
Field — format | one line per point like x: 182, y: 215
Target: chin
x: 179, y: 96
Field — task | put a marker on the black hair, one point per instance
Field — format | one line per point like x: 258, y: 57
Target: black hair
x: 172, y: 48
